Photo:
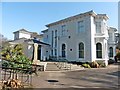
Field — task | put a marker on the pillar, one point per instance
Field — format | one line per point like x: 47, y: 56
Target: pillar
x: 35, y: 60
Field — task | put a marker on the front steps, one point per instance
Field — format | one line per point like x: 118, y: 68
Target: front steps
x: 62, y: 66
x: 51, y: 66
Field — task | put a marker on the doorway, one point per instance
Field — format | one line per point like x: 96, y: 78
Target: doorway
x: 39, y: 52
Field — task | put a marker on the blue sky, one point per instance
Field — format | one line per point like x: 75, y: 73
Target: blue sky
x: 33, y: 16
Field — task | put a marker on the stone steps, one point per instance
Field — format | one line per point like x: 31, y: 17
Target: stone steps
x: 52, y: 67
x: 60, y: 66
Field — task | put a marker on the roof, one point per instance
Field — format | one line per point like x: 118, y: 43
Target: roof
x: 103, y: 16
x: 92, y: 13
x: 73, y: 17
x: 20, y: 40
x: 112, y: 28
x: 37, y: 41
x: 44, y: 31
x: 33, y: 34
x: 23, y: 31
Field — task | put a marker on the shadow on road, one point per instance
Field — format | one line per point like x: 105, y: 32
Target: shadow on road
x: 115, y: 73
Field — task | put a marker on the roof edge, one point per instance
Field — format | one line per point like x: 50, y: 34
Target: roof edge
x: 72, y: 17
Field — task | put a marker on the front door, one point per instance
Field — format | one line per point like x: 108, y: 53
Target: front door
x: 39, y: 52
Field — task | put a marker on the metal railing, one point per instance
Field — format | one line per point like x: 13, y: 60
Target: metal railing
x: 12, y: 73
x: 63, y: 63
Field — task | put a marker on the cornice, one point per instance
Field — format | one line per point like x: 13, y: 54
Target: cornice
x: 90, y: 13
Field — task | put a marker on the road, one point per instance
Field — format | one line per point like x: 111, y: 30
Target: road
x: 86, y: 78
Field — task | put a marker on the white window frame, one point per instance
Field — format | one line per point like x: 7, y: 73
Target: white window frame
x: 98, y: 27
x: 81, y: 50
x: 80, y: 25
x: 63, y: 31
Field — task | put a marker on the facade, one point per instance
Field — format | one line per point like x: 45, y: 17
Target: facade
x: 22, y: 34
x: 82, y: 38
x: 112, y: 42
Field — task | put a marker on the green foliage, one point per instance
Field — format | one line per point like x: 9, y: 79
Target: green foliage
x: 12, y: 52
x: 15, y: 56
x: 86, y: 65
x: 118, y: 55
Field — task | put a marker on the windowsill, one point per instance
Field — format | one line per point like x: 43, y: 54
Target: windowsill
x: 81, y: 58
x: 99, y: 34
x: 100, y: 59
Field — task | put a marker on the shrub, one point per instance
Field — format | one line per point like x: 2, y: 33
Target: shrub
x: 118, y: 55
x: 111, y: 61
x: 5, y: 64
x: 101, y: 64
x: 14, y: 56
x: 86, y: 65
x: 94, y: 64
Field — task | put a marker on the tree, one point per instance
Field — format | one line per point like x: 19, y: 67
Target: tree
x: 15, y: 57
x: 117, y: 56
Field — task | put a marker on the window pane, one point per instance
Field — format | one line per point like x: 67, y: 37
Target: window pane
x: 98, y: 27
x: 80, y: 26
x: 63, y: 50
x: 99, y: 50
x: 111, y: 52
x: 63, y: 30
x: 63, y: 53
x: 81, y: 50
x: 99, y: 54
x: 81, y: 54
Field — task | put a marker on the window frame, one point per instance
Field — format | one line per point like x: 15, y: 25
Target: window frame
x: 99, y: 50
x: 111, y: 53
x: 63, y: 50
x: 63, y: 31
x: 81, y: 50
x: 98, y: 27
x: 80, y: 26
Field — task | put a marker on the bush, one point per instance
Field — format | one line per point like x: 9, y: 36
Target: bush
x: 5, y: 64
x: 111, y: 61
x: 101, y: 64
x: 15, y: 57
x: 94, y: 64
x: 86, y: 65
x: 118, y: 55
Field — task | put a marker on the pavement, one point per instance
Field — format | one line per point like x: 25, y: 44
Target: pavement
x: 85, y: 78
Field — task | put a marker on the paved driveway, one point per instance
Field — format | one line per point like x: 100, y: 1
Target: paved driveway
x: 87, y: 78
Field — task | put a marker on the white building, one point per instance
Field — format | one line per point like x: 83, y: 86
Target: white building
x: 112, y: 42
x: 85, y: 37
x: 31, y: 42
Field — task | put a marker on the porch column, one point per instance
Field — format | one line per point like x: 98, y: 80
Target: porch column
x: 35, y: 61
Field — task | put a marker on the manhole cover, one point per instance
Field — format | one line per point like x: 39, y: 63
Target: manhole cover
x: 53, y: 81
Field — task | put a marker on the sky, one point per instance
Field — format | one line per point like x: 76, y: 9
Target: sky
x: 33, y: 16
x: 119, y: 17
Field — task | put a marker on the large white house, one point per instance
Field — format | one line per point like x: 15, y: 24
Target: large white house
x: 85, y: 37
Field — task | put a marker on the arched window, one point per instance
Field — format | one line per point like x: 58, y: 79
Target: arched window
x: 63, y: 50
x: 81, y: 50
x: 111, y: 52
x: 99, y: 50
